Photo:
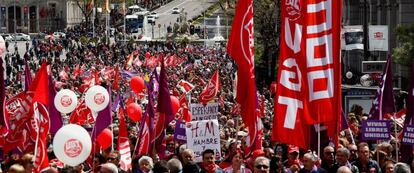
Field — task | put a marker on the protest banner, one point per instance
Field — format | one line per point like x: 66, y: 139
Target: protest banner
x: 201, y: 112
x: 408, y: 137
x: 375, y: 130
x: 202, y: 135
x: 179, y: 133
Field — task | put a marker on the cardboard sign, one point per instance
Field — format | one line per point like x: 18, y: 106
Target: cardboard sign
x: 201, y: 112
x: 202, y: 135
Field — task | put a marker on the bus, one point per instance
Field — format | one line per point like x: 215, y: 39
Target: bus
x: 134, y: 22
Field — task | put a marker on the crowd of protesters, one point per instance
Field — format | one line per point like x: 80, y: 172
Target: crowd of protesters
x: 197, y: 66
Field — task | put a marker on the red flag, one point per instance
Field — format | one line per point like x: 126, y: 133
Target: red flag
x: 63, y: 75
x: 241, y: 48
x: 185, y: 112
x: 115, y: 84
x: 40, y: 125
x: 123, y: 143
x: 262, y: 106
x: 81, y: 115
x: 40, y: 86
x: 185, y: 86
x: 76, y: 71
x: 96, y: 75
x: 41, y: 161
x: 210, y: 91
x: 309, y: 74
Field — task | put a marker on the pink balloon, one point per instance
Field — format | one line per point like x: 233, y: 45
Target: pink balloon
x: 105, y: 138
x: 134, y: 112
x: 137, y: 84
x: 175, y: 104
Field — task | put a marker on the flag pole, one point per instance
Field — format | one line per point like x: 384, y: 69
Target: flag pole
x: 396, y: 137
x: 319, y: 140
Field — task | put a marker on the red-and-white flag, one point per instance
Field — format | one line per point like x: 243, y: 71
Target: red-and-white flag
x: 41, y: 124
x: 63, y: 75
x: 81, y: 115
x: 210, y: 91
x: 241, y: 48
x: 123, y: 143
x: 309, y: 73
x: 185, y: 86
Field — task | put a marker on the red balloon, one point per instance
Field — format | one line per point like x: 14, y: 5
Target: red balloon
x: 175, y: 104
x: 105, y: 138
x: 137, y: 84
x: 147, y: 55
x: 134, y: 112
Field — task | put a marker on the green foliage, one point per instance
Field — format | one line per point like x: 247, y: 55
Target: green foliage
x: 404, y: 54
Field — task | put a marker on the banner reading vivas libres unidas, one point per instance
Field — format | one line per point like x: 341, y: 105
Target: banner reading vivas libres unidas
x: 202, y: 135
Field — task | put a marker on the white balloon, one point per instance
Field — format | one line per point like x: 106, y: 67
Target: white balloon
x: 72, y: 144
x: 65, y: 101
x: 97, y: 98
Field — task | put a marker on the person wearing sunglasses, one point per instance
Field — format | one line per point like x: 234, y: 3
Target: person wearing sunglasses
x: 261, y: 165
x: 328, y: 159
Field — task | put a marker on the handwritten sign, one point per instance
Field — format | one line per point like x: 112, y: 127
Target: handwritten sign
x: 375, y: 130
x: 408, y: 135
x: 202, y: 135
x: 179, y: 133
x: 201, y: 112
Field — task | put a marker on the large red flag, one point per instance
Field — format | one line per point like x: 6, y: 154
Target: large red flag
x: 241, y: 48
x: 309, y: 75
x: 41, y: 121
x: 123, y: 143
x: 210, y: 91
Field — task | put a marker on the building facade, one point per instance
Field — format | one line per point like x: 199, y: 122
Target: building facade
x: 31, y: 16
x: 378, y: 12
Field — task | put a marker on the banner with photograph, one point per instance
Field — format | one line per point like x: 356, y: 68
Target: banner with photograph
x: 352, y: 37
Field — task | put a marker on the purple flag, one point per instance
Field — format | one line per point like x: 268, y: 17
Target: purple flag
x: 164, y: 100
x: 104, y: 118
x: 384, y: 99
x: 116, y: 103
x: 56, y: 121
x: 408, y: 130
x: 27, y: 76
x: 127, y: 74
x: 409, y: 117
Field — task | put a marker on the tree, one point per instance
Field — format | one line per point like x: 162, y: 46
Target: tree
x: 266, y: 23
x: 266, y: 14
x: 404, y: 54
x: 86, y: 7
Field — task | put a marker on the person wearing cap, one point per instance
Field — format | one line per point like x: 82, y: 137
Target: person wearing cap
x: 293, y: 156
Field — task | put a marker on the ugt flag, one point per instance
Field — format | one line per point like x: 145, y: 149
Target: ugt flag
x: 309, y: 73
